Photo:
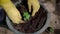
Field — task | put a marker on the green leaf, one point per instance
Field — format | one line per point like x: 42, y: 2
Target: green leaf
x: 26, y: 16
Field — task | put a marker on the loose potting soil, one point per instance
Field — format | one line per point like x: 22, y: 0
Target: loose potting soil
x: 34, y: 23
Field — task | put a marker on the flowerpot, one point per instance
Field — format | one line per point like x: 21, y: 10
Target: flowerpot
x: 35, y: 25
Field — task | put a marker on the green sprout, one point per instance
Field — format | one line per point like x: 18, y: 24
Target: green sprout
x: 50, y: 29
x: 26, y: 16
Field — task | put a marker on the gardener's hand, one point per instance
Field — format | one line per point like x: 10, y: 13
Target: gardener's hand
x: 11, y: 11
x: 35, y: 4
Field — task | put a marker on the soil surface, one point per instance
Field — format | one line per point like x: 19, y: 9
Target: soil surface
x: 35, y: 23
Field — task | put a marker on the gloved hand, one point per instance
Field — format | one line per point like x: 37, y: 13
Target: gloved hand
x: 11, y: 11
x: 35, y: 5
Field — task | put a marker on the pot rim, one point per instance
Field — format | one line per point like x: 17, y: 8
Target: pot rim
x: 38, y: 32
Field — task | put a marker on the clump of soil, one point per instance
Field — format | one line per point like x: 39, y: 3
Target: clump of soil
x: 35, y: 23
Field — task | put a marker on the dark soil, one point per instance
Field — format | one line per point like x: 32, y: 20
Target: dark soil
x: 34, y: 24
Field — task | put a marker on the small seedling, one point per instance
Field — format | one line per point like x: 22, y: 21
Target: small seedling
x: 50, y: 29
x: 26, y: 16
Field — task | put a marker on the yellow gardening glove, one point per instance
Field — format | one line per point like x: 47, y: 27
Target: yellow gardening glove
x: 35, y: 4
x: 11, y: 11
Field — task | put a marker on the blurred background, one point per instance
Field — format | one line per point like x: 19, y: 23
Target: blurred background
x: 53, y: 6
